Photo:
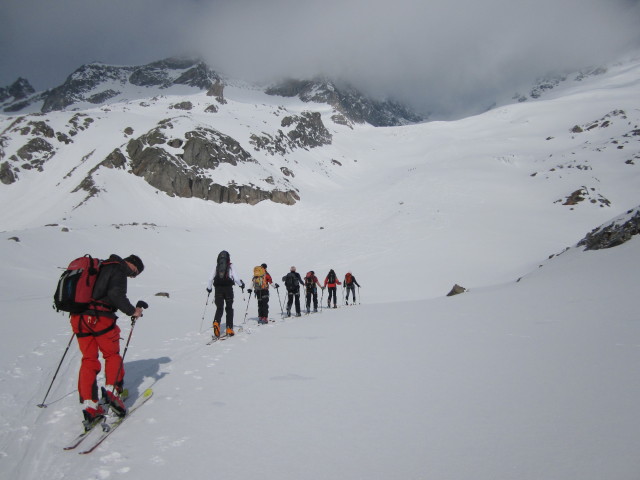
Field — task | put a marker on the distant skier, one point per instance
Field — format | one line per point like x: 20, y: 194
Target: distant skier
x: 261, y: 281
x: 350, y: 283
x: 331, y: 281
x: 292, y: 282
x: 310, y: 282
x: 222, y: 278
x: 97, y: 332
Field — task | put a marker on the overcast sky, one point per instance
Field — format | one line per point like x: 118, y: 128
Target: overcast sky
x: 442, y: 55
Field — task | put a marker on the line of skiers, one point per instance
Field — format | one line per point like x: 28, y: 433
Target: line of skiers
x: 93, y: 291
x: 223, y: 277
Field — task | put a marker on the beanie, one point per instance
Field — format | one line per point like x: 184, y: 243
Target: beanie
x: 135, y: 260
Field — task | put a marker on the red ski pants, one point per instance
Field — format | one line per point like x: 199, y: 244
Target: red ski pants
x: 95, y: 335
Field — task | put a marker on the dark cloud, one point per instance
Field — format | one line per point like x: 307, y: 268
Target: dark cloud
x: 443, y: 55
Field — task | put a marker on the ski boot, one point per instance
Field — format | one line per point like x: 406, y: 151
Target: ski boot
x: 93, y: 413
x: 112, y: 398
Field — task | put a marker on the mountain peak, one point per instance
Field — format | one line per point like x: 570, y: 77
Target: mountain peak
x: 18, y: 90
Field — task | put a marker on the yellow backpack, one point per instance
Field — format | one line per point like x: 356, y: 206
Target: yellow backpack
x: 260, y: 278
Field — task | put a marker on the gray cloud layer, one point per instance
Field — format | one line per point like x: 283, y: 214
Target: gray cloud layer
x: 442, y: 55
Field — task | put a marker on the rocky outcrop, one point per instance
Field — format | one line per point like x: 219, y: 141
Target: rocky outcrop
x: 348, y: 101
x: 614, y: 233
x: 206, y: 148
x: 191, y: 172
x: 6, y: 174
x: 33, y: 154
x: 303, y: 131
x: 217, y: 91
x: 456, y: 290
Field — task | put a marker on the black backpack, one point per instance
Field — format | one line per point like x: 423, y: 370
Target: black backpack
x: 331, y: 277
x: 290, y: 281
x: 222, y: 269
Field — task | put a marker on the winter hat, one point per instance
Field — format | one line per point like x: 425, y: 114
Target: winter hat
x: 264, y: 265
x: 293, y: 269
x: 135, y: 260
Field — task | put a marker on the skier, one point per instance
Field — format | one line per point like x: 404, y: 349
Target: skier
x: 310, y: 282
x: 293, y: 281
x: 222, y: 278
x: 331, y: 281
x: 350, y: 283
x: 261, y: 283
x: 97, y: 332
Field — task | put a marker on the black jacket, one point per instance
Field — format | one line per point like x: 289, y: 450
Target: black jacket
x: 110, y: 290
x: 292, y: 281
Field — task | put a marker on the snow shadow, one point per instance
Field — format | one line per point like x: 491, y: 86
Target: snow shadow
x: 138, y: 370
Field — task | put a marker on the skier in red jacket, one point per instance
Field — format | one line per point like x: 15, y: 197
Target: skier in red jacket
x: 97, y: 332
x: 331, y: 281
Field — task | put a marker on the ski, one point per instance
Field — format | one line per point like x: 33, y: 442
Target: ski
x: 98, y: 421
x: 78, y: 440
x: 110, y: 427
x: 215, y: 339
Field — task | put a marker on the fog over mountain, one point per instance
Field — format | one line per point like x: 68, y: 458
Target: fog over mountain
x: 446, y: 58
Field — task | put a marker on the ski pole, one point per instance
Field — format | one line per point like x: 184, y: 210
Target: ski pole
x: 321, y: 299
x: 142, y: 304
x: 359, y: 296
x: 205, y: 310
x: 247, y: 309
x: 44, y: 405
x: 279, y: 301
x: 343, y: 301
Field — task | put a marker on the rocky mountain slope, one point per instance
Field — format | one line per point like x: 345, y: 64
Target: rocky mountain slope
x: 182, y: 94
x: 177, y: 130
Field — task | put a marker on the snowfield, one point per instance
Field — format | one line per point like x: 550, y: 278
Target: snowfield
x: 532, y: 374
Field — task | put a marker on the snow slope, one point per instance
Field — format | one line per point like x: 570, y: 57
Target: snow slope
x: 529, y: 379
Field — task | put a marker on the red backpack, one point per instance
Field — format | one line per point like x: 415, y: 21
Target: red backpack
x: 348, y: 279
x: 75, y: 286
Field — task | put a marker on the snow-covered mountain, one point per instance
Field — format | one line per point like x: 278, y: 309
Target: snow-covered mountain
x: 530, y: 374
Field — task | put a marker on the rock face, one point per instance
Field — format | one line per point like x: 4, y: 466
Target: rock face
x: 303, y: 131
x: 348, y: 101
x: 615, y: 233
x: 191, y: 172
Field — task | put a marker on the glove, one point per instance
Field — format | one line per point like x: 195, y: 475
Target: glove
x: 249, y: 291
x: 241, y: 284
x: 208, y: 290
x: 277, y: 286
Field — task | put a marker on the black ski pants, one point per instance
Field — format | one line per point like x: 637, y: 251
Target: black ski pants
x: 332, y: 293
x: 312, y: 294
x: 294, y: 295
x: 224, y: 301
x: 351, y: 288
x: 263, y: 303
